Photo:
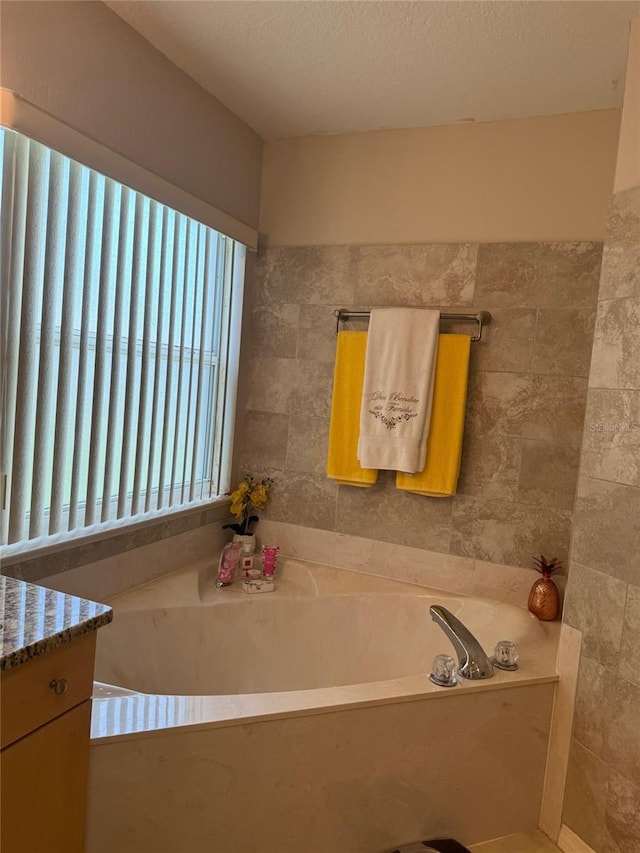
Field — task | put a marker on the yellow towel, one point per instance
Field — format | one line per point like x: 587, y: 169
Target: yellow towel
x: 344, y: 428
x: 444, y: 448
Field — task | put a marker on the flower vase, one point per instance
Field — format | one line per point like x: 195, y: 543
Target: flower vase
x: 544, y: 600
x: 248, y: 542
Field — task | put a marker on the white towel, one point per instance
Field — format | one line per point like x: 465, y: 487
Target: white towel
x: 398, y: 388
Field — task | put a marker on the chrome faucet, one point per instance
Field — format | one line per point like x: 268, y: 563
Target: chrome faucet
x: 472, y: 660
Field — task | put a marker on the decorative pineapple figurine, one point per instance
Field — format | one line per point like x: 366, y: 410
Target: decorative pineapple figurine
x: 544, y: 599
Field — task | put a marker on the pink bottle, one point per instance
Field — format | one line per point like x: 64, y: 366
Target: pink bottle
x: 269, y: 558
x: 228, y: 563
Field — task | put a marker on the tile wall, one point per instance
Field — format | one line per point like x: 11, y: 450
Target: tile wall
x: 602, y: 802
x: 527, y: 395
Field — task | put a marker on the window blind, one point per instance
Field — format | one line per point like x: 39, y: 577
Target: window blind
x: 117, y: 348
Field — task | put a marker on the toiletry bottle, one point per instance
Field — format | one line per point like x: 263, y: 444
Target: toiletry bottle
x: 228, y: 563
x: 269, y: 558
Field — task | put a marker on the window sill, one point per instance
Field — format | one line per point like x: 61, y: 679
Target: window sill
x: 67, y: 551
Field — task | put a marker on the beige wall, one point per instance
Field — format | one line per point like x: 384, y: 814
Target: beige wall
x: 80, y: 62
x: 547, y: 178
x: 628, y: 165
x: 602, y: 802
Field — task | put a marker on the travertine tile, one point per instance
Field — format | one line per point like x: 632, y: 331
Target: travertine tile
x: 393, y: 560
x: 595, y: 605
x: 623, y: 218
x: 390, y: 275
x: 564, y: 338
x: 594, y: 684
x: 622, y: 816
x: 611, y: 443
x: 538, y: 275
x: 317, y: 333
x: 270, y: 384
x: 511, y: 583
x: 400, y: 562
x: 629, y: 668
x: 547, y: 408
x: 301, y: 498
x: 391, y: 515
x: 508, y: 533
x: 606, y: 528
x: 290, y: 385
x: 620, y: 270
x: 311, y: 392
x: 307, y: 445
x: 616, y: 345
x: 274, y: 330
x: 450, y: 272
x: 263, y: 439
x: 606, y: 537
x: 621, y: 747
x: 321, y: 275
x: 289, y: 376
x: 507, y: 342
x: 423, y: 275
x: 548, y: 474
x: 585, y: 797
x: 490, y: 465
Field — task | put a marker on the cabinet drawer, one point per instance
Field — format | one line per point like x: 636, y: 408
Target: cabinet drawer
x: 46, y: 686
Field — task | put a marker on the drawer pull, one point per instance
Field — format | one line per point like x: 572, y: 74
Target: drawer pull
x: 59, y: 686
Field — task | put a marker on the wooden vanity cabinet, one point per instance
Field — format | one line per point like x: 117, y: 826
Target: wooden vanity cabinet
x: 45, y: 723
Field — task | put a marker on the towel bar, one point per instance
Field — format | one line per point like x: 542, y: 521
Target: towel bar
x: 482, y: 318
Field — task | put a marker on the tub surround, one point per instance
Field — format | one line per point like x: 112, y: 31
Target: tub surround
x: 526, y: 399
x: 110, y: 566
x: 163, y: 542
x: 36, y: 620
x: 400, y: 675
x: 524, y: 425
x: 359, y: 767
x: 103, y: 578
x: 448, y: 572
x: 357, y: 779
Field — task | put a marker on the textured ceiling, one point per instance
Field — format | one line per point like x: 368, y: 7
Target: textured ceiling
x: 295, y: 67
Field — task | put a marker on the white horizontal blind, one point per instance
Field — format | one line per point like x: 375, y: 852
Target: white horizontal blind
x: 116, y: 321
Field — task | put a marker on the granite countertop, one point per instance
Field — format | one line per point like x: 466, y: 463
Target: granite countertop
x: 34, y: 620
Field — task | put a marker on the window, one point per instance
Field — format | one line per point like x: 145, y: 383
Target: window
x: 118, y: 341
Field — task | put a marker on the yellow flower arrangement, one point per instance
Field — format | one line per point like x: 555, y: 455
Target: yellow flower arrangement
x: 249, y: 494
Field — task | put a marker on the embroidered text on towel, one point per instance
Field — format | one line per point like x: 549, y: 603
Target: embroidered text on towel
x: 393, y: 408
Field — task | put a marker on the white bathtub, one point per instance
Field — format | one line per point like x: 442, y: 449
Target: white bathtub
x: 304, y: 720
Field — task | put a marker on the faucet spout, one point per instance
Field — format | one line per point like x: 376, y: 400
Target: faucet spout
x: 472, y: 659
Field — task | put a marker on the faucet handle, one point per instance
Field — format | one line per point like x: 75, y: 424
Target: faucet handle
x: 444, y: 671
x: 505, y: 655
